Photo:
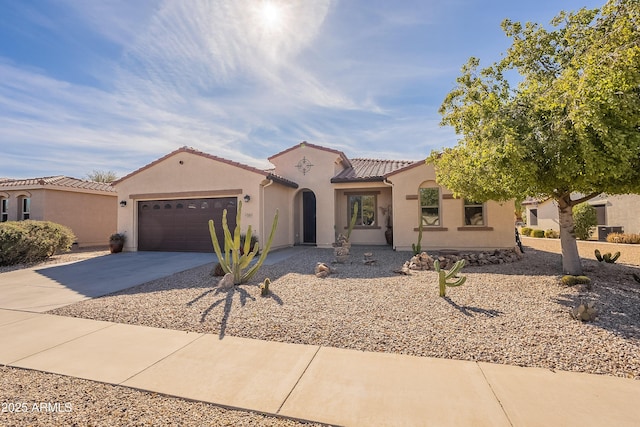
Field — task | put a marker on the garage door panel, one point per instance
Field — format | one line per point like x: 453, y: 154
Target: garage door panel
x: 182, y: 225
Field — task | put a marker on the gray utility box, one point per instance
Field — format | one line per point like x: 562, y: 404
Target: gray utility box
x: 604, y: 231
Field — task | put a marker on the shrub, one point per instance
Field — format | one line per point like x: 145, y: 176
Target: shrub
x: 537, y: 233
x: 623, y: 238
x: 31, y: 241
x: 551, y: 234
x: 526, y: 231
x: 584, y: 220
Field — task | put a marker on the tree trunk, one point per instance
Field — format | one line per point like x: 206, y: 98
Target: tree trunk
x: 570, y: 258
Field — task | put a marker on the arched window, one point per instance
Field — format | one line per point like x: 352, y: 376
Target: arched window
x: 430, y: 205
x: 25, y: 208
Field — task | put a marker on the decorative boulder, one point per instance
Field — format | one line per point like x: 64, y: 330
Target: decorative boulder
x: 225, y: 283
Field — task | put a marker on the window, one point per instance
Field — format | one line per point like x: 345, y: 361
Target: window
x: 25, y: 206
x: 430, y: 206
x: 533, y: 220
x: 366, y: 209
x: 473, y: 213
x: 4, y: 210
x: 601, y: 214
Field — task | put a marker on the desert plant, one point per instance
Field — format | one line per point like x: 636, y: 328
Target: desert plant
x: 526, y: 231
x: 253, y: 240
x: 31, y: 241
x: 569, y: 280
x: 417, y: 248
x: 537, y: 233
x: 585, y: 312
x: 233, y: 261
x: 264, y: 287
x: 444, y: 275
x: 623, y: 238
x: 608, y: 258
x: 352, y: 223
x: 585, y: 219
x: 551, y: 234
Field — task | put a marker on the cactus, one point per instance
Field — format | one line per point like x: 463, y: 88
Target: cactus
x: 608, y: 258
x: 352, y: 223
x: 417, y: 248
x: 236, y: 259
x: 576, y: 280
x: 444, y: 275
x: 264, y: 287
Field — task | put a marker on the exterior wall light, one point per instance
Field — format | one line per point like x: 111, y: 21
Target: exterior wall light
x: 123, y: 203
x: 247, y: 198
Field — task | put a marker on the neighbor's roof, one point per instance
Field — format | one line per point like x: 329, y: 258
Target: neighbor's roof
x: 185, y: 149
x: 367, y: 170
x: 57, y: 181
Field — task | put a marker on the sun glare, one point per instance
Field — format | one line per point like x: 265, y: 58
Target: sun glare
x: 271, y: 15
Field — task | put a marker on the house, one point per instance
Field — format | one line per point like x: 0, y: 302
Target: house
x: 615, y: 213
x: 88, y: 208
x: 166, y: 204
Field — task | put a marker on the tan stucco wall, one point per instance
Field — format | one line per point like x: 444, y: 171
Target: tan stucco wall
x: 547, y: 216
x: 318, y: 180
x: 278, y: 197
x: 201, y: 177
x: 406, y: 217
x: 91, y: 216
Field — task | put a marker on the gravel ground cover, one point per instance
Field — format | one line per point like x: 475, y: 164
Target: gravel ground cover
x: 514, y: 314
x: 65, y: 401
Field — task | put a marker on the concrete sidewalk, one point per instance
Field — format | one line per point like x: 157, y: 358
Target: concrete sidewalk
x: 329, y: 385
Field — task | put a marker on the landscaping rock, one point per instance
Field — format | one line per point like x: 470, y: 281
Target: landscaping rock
x: 225, y: 283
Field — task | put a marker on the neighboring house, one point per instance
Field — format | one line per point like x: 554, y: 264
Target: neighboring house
x: 166, y: 204
x: 88, y: 208
x: 614, y: 213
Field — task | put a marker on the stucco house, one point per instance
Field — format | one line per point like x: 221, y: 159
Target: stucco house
x: 88, y: 208
x: 166, y: 204
x: 615, y: 213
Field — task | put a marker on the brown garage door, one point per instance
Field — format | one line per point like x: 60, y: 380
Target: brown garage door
x: 182, y: 225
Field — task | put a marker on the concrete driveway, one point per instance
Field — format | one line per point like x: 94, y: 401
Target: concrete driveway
x: 41, y: 289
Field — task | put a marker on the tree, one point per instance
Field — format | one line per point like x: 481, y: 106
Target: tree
x: 570, y: 125
x: 102, y: 176
x: 584, y: 219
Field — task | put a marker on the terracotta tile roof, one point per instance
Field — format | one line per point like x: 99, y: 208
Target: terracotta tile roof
x: 58, y: 181
x: 371, y: 170
x: 191, y: 150
x: 344, y: 158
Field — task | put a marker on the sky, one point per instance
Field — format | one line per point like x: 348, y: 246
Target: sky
x: 112, y: 85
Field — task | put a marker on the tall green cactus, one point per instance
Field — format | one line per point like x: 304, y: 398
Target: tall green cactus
x: 354, y: 216
x: 417, y: 249
x: 235, y: 260
x: 444, y: 275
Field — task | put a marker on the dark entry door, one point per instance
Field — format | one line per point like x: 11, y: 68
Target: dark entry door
x: 308, y: 217
x: 182, y: 225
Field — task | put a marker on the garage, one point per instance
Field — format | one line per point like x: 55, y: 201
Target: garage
x: 182, y: 225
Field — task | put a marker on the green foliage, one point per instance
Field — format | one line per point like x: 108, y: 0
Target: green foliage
x: 623, y: 238
x: 417, y: 248
x: 551, y: 234
x: 32, y: 241
x: 608, y: 258
x: 237, y: 258
x: 569, y: 123
x: 264, y: 287
x: 444, y: 275
x: 537, y: 233
x: 526, y: 231
x: 352, y: 223
x: 569, y: 280
x: 584, y: 220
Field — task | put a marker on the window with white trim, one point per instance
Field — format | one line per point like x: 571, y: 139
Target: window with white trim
x: 473, y: 213
x: 430, y: 206
x: 25, y: 208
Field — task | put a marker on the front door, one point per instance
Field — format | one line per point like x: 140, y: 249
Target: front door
x: 308, y: 217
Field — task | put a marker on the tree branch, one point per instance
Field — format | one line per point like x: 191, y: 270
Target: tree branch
x: 583, y: 199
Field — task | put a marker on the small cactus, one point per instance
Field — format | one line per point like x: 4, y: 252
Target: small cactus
x: 417, y: 248
x: 264, y: 287
x: 585, y: 312
x: 444, y: 275
x: 576, y: 280
x: 608, y: 258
